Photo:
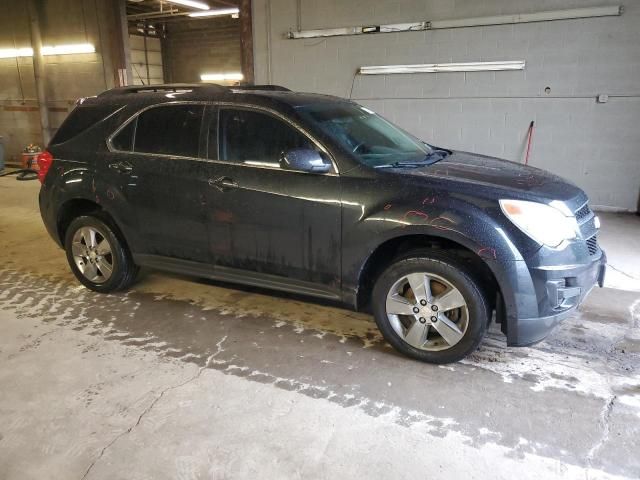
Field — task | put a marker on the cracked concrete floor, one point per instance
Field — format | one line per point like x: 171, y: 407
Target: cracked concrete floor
x: 190, y: 379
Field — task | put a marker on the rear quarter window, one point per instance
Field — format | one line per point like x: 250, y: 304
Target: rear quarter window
x: 80, y: 119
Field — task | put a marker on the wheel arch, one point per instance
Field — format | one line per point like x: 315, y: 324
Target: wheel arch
x: 77, y: 207
x: 485, y: 272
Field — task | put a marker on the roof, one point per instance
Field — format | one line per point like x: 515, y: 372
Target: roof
x: 208, y: 91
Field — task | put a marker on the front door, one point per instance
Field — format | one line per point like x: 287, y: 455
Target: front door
x: 265, y: 219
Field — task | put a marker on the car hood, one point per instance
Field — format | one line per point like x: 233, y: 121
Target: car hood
x: 507, y: 177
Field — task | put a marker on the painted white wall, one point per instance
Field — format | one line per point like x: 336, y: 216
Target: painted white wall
x: 595, y: 145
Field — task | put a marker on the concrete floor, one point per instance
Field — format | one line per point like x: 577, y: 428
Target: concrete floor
x: 189, y: 379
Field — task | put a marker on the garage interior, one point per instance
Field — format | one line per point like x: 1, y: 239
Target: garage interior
x: 186, y: 378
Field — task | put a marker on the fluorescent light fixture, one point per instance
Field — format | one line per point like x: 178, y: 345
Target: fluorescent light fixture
x: 443, y: 67
x: 366, y: 29
x: 588, y: 12
x: 190, y: 3
x: 48, y: 50
x: 545, y: 16
x: 216, y: 13
x: 16, y: 52
x: 68, y: 49
x: 221, y: 77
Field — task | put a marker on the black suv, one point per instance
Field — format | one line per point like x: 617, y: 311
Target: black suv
x: 319, y: 196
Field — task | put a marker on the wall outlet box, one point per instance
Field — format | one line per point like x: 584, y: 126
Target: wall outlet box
x: 602, y: 98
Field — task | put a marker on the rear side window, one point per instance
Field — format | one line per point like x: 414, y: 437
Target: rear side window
x: 80, y: 119
x: 124, y: 139
x: 246, y: 135
x: 168, y: 130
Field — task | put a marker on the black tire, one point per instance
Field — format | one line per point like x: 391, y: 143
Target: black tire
x: 124, y: 269
x: 451, y: 269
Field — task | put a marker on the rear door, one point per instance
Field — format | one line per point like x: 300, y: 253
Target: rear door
x: 156, y: 166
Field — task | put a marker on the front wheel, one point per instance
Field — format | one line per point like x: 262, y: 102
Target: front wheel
x: 429, y: 308
x: 97, y: 257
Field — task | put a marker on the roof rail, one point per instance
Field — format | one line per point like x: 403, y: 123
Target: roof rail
x: 168, y: 87
x: 276, y: 88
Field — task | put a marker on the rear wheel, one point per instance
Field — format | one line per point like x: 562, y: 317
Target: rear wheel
x: 97, y: 257
x: 429, y: 308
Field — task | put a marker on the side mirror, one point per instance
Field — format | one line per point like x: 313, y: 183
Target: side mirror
x: 304, y: 160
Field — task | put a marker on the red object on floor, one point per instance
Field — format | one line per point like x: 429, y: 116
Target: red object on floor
x: 29, y: 160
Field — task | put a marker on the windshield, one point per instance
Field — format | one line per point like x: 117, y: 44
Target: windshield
x: 373, y: 141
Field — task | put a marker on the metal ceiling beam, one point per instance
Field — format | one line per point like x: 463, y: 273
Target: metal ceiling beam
x: 162, y: 9
x: 246, y: 41
x: 174, y: 12
x: 38, y: 69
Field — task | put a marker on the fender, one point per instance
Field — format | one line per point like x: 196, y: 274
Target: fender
x: 70, y: 181
x: 449, y: 217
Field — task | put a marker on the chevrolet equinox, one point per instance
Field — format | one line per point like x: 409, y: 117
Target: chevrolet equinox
x: 317, y: 195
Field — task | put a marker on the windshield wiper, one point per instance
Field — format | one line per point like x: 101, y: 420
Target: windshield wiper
x: 403, y: 165
x: 439, y: 153
x: 430, y: 159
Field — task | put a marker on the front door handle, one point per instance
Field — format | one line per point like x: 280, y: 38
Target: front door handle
x: 121, y: 167
x: 223, y: 183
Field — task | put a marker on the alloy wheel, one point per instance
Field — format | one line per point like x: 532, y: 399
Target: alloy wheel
x: 92, y: 254
x: 427, y: 311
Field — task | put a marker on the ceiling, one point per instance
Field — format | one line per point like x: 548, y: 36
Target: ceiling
x: 164, y: 10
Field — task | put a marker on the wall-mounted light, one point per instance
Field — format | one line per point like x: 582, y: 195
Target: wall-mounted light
x: 216, y: 13
x: 222, y: 77
x: 16, y: 52
x: 48, y: 50
x: 190, y: 3
x: 546, y: 16
x: 68, y: 49
x: 443, y: 67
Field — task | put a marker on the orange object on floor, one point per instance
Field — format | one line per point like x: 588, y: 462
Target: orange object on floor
x: 29, y: 160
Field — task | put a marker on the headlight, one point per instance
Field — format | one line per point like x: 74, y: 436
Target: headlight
x: 543, y: 223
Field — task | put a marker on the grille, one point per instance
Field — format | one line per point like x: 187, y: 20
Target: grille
x: 592, y: 245
x: 583, y: 212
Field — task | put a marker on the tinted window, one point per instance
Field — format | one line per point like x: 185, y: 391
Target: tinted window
x: 169, y: 130
x: 80, y: 119
x: 124, y: 140
x: 248, y: 135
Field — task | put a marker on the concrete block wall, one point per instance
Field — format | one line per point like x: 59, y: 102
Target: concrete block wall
x: 596, y: 145
x: 68, y: 77
x: 201, y: 46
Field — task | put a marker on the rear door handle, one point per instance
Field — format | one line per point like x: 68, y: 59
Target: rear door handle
x: 223, y: 183
x: 121, y: 167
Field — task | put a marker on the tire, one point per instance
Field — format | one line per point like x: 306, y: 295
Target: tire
x: 449, y: 334
x: 82, y: 255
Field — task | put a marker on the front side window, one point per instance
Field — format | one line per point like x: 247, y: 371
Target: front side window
x: 370, y: 138
x: 249, y: 136
x: 166, y: 130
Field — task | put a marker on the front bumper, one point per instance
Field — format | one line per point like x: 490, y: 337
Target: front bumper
x: 558, y: 290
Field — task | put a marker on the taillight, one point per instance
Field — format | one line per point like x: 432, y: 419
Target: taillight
x: 44, y: 161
